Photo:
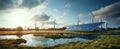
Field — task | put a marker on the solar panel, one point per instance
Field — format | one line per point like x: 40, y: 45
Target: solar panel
x: 84, y: 27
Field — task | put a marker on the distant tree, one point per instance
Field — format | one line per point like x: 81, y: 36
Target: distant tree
x: 19, y: 28
x: 64, y: 27
x: 119, y: 28
x: 36, y: 28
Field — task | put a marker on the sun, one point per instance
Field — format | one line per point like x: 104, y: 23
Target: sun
x: 19, y: 19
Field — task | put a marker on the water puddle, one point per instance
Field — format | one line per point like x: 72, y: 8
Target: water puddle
x: 42, y: 41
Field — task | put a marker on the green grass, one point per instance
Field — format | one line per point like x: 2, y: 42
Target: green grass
x: 53, y: 36
x: 99, y: 32
x: 105, y: 42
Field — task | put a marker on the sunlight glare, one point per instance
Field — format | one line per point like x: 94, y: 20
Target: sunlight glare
x: 19, y: 17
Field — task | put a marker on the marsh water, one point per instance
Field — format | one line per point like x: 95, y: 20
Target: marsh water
x: 42, y: 41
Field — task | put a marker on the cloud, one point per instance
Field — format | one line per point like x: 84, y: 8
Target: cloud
x: 40, y: 17
x: 67, y: 5
x: 4, y: 4
x: 81, y: 15
x: 31, y: 3
x: 55, y: 10
x: 43, y: 5
x: 51, y: 23
x: 9, y: 4
x: 48, y: 22
x: 110, y: 13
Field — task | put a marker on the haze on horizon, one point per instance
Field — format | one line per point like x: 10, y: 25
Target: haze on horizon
x: 26, y: 13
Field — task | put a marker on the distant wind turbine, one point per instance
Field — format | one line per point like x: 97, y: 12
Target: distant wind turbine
x: 54, y: 23
x: 93, y: 17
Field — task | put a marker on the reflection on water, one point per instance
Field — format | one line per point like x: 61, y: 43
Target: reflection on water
x: 8, y: 37
x: 41, y: 41
x: 19, y: 34
x: 89, y: 36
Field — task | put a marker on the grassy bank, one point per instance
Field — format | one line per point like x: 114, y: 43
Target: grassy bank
x: 57, y: 32
x: 105, y: 42
x: 61, y: 34
x: 53, y: 36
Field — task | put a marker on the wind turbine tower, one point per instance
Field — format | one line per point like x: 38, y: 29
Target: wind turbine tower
x: 93, y: 17
x: 54, y: 23
x: 106, y: 25
x: 78, y: 20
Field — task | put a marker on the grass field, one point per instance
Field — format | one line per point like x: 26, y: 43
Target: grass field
x: 59, y: 32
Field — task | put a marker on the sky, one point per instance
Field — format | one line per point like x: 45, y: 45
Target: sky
x: 43, y: 13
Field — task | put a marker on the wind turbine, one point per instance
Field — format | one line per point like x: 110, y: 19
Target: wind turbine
x: 93, y: 17
x: 35, y: 25
x: 106, y: 25
x: 78, y: 20
x: 54, y: 23
x: 42, y: 26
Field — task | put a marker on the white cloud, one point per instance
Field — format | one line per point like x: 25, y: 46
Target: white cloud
x: 55, y: 10
x: 67, y: 5
x: 43, y: 5
x: 20, y: 2
x: 81, y: 15
x: 64, y: 13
